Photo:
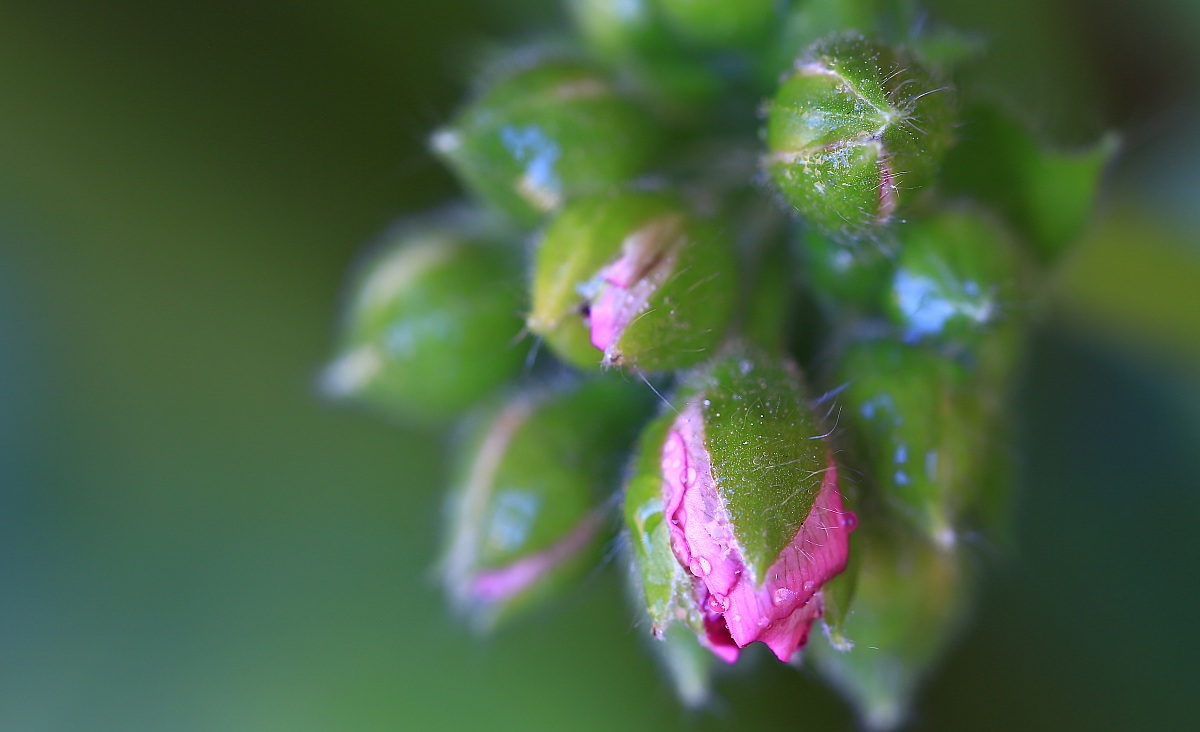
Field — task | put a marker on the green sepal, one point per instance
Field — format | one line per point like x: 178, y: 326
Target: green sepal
x: 693, y: 285
x: 544, y: 133
x: 1048, y: 195
x: 664, y: 585
x: 765, y: 445
x: 532, y: 477
x: 909, y: 605
x: 430, y: 321
x: 854, y: 132
x: 918, y: 430
x: 957, y: 274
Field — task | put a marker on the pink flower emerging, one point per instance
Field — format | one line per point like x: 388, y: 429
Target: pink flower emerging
x: 782, y: 610
x: 630, y: 280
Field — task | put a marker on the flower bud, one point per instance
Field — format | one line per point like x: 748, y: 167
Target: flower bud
x: 526, y: 517
x: 430, y: 322
x: 544, y: 133
x: 845, y: 275
x: 720, y: 24
x: 854, y: 132
x: 632, y: 279
x: 909, y: 604
x: 921, y: 435
x: 956, y: 274
x: 748, y: 508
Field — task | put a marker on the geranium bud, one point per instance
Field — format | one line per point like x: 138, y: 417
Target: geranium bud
x: 632, y: 279
x: 956, y: 275
x: 720, y: 24
x: 846, y: 275
x: 917, y: 425
x: 430, y: 321
x: 750, y: 508
x: 526, y: 518
x: 854, y: 132
x: 545, y: 132
x: 909, y: 604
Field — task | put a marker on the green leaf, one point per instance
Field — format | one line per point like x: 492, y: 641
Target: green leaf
x: 1047, y: 194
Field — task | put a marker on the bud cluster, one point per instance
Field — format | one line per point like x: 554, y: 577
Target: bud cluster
x: 830, y: 325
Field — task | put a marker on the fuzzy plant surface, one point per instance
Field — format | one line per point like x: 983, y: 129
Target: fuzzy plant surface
x: 742, y: 290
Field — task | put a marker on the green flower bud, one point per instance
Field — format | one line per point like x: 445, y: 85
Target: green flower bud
x: 956, y: 275
x: 910, y: 603
x: 719, y: 23
x: 854, y: 132
x: 544, y: 133
x: 618, y: 28
x: 632, y: 279
x: 430, y: 322
x: 734, y: 511
x: 526, y: 516
x: 845, y: 274
x: 911, y: 416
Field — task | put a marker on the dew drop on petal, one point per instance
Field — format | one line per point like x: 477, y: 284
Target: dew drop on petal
x: 782, y: 595
x: 700, y: 567
x: 718, y: 603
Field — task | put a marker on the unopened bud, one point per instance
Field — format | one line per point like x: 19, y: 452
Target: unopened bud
x: 751, y: 513
x: 430, y: 322
x: 552, y: 130
x: 956, y: 275
x: 909, y: 605
x: 633, y: 279
x: 526, y: 518
x: 855, y: 131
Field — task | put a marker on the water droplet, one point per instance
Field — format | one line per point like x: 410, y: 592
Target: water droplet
x: 718, y: 603
x: 782, y: 595
x: 700, y: 567
x: 690, y: 477
x: 679, y: 549
x: 849, y: 520
x: 707, y: 403
x: 809, y: 585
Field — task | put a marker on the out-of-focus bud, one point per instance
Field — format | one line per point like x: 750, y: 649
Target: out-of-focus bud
x: 919, y: 429
x: 909, y: 605
x: 545, y: 132
x: 430, y: 321
x: 526, y: 518
x: 845, y: 275
x: 720, y: 24
x: 633, y: 279
x: 956, y: 275
x: 854, y: 132
x: 748, y: 524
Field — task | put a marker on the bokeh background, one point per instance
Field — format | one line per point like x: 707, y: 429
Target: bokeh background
x: 190, y: 539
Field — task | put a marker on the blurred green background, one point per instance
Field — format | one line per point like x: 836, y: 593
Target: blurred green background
x: 191, y: 540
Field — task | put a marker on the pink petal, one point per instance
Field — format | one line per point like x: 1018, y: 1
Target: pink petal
x: 781, y: 612
x: 496, y: 585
